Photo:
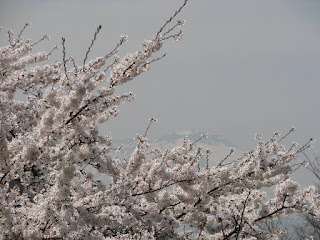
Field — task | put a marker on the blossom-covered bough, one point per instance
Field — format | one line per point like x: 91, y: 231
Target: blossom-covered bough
x: 48, y: 141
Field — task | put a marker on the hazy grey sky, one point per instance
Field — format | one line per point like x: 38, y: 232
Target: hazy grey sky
x: 244, y: 66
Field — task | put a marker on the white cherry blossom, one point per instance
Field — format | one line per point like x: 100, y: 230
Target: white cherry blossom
x: 49, y: 142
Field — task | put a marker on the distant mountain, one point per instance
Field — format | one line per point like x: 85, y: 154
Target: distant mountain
x: 219, y: 146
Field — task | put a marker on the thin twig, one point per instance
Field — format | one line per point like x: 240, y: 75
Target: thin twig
x: 298, y: 166
x: 177, y: 36
x: 171, y: 29
x: 172, y: 17
x: 123, y: 40
x: 10, y: 34
x: 151, y: 120
x: 44, y: 37
x: 115, y: 50
x: 231, y: 152
x: 110, y: 66
x: 155, y: 59
x: 64, y: 57
x: 22, y: 30
x: 55, y: 48
x: 290, y: 131
x: 306, y: 146
x: 92, y: 42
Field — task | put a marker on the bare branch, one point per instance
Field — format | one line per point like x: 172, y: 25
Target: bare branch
x: 44, y: 37
x: 231, y: 153
x: 92, y: 42
x: 22, y: 30
x: 64, y: 57
x: 172, y: 17
x: 290, y: 131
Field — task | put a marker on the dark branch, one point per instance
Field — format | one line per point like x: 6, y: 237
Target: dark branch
x: 92, y: 42
x: 172, y: 17
x: 162, y: 187
x: 64, y: 57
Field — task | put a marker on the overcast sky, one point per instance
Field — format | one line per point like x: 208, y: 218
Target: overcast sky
x: 244, y: 66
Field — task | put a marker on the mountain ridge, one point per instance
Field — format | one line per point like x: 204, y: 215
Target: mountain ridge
x: 219, y: 145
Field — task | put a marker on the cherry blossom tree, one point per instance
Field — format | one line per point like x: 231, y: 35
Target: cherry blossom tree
x: 48, y: 142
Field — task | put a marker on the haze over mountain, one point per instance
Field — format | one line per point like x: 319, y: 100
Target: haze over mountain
x: 219, y: 146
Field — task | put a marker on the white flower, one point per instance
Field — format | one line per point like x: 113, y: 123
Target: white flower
x: 258, y: 136
x: 123, y: 38
x: 181, y: 23
x: 204, y: 135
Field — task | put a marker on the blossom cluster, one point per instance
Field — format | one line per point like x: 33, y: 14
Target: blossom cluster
x: 48, y: 142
